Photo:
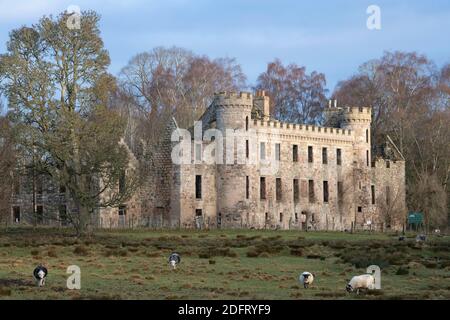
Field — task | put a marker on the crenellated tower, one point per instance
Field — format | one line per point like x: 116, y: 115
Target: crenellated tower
x: 233, y: 112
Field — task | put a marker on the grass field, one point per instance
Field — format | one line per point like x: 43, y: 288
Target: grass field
x: 219, y: 264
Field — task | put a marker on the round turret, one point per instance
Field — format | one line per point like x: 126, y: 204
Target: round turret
x: 233, y: 110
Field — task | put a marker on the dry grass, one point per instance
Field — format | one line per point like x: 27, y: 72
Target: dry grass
x: 219, y: 264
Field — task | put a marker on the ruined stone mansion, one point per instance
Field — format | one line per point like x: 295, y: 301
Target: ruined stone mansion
x: 266, y: 174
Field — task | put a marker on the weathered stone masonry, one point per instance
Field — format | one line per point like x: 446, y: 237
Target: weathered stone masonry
x: 350, y: 181
x: 281, y: 175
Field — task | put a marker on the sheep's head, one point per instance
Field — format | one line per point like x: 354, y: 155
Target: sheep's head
x: 349, y: 288
x: 41, y: 274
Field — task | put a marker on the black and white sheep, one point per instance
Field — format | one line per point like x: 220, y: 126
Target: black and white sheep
x: 174, y: 260
x: 421, y: 238
x: 364, y: 281
x: 40, y: 273
x: 306, y: 279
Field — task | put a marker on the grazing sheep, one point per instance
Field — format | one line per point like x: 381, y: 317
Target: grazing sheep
x: 39, y: 273
x: 174, y: 260
x: 365, y: 281
x: 437, y: 231
x: 421, y: 238
x: 401, y: 238
x: 306, y: 278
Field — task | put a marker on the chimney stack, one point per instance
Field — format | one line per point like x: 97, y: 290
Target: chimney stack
x: 262, y: 102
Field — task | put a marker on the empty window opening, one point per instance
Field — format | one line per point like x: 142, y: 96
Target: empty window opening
x: 295, y: 153
x: 373, y: 193
x: 262, y: 187
x: 325, y: 191
x: 338, y: 157
x: 278, y: 189
x: 388, y: 164
x: 247, y: 149
x: 246, y: 123
x: 247, y: 187
x: 324, y: 156
x: 311, y: 191
x: 198, y: 186
x: 198, y: 212
x: 16, y: 214
x: 367, y: 158
x: 40, y: 214
x: 367, y: 135
x: 296, y: 217
x: 359, y: 209
x: 281, y: 216
x: 388, y: 195
x: 277, y: 151
x: 310, y: 154
x: 219, y: 219
x: 122, y: 210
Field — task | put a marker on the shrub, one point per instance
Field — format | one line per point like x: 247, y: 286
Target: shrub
x: 297, y: 252
x: 52, y: 253
x: 401, y: 271
x: 252, y: 252
x: 5, y: 292
x: 81, y: 251
x: 216, y: 252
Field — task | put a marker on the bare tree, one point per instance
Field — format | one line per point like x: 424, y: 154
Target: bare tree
x: 173, y: 82
x: 430, y: 198
x: 410, y: 100
x: 390, y: 208
x: 295, y: 95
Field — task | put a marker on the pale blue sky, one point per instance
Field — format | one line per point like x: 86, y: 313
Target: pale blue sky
x: 330, y: 37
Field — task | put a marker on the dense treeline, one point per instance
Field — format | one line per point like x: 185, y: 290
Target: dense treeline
x: 68, y: 114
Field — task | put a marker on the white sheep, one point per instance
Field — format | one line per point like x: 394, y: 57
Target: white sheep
x: 364, y: 281
x: 306, y: 279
